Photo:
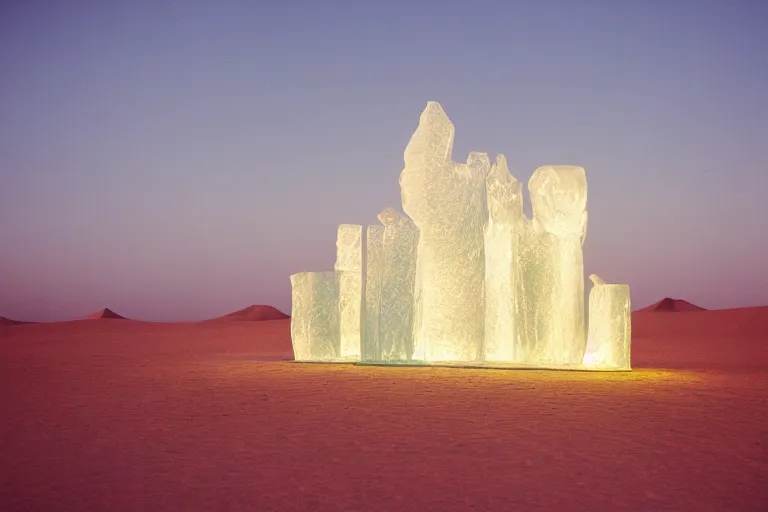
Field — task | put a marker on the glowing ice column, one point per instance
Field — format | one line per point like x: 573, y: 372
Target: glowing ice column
x: 401, y: 239
x: 537, y: 276
x: 349, y: 272
x: 610, y: 329
x: 315, y: 316
x: 446, y: 202
x: 559, y: 200
x: 300, y: 297
x: 503, y: 281
x: 374, y: 273
x: 389, y: 288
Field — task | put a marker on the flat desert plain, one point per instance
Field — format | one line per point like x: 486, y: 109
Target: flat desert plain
x: 113, y: 414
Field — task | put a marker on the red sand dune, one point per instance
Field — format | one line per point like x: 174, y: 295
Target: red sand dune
x: 667, y: 305
x: 105, y: 313
x: 203, y: 416
x: 255, y: 313
x: 8, y: 322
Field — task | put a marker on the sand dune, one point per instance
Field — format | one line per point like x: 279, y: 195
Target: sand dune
x: 8, y: 322
x: 667, y: 305
x: 105, y: 313
x: 254, y: 313
x: 204, y: 416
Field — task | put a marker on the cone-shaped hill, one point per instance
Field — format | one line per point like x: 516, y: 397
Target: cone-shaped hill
x: 667, y: 305
x: 255, y: 313
x: 4, y: 322
x: 105, y: 314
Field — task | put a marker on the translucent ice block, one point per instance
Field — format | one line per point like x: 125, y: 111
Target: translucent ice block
x: 446, y: 201
x: 559, y: 201
x: 610, y: 329
x: 401, y: 238
x: 374, y: 272
x: 300, y: 300
x: 315, y: 316
x: 503, y: 277
x: 349, y: 273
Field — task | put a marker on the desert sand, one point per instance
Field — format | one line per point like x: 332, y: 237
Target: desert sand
x: 128, y: 415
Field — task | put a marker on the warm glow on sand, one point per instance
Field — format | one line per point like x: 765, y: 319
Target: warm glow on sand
x: 214, y: 414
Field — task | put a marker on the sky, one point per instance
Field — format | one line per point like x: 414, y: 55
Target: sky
x: 178, y: 160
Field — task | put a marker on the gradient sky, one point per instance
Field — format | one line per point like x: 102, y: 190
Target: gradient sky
x: 175, y: 160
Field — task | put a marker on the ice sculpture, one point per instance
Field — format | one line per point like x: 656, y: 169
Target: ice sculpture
x: 326, y: 317
x: 465, y: 277
x: 391, y: 281
x: 446, y: 201
x: 610, y: 331
x: 559, y: 201
x: 300, y: 307
x: 504, y: 339
x: 315, y: 316
x: 374, y: 274
x: 349, y: 274
x: 536, y: 269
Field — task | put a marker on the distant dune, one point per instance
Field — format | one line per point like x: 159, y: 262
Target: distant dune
x: 667, y: 305
x: 7, y: 322
x: 105, y: 313
x: 255, y: 313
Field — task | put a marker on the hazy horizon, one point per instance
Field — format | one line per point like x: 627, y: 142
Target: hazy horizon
x: 178, y: 161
